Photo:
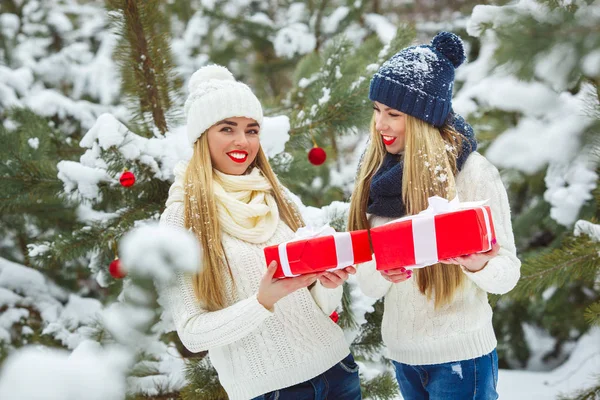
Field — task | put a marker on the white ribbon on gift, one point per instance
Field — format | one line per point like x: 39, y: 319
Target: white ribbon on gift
x: 343, y: 247
x: 423, y: 227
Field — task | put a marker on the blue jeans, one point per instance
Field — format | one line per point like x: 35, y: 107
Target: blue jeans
x: 474, y: 379
x: 339, y: 382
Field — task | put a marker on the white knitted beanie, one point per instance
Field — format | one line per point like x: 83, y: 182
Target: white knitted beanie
x: 214, y: 96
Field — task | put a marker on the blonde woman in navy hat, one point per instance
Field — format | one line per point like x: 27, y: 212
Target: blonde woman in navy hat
x: 267, y: 338
x: 437, y: 323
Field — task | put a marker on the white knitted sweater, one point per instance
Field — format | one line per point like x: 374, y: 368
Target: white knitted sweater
x: 256, y: 351
x: 413, y: 331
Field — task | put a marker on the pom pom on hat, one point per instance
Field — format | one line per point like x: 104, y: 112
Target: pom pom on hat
x: 450, y: 46
x: 207, y: 73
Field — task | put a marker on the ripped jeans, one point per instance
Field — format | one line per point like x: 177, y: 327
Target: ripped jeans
x: 474, y: 379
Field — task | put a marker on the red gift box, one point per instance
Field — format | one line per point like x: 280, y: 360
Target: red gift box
x: 445, y: 230
x: 319, y: 251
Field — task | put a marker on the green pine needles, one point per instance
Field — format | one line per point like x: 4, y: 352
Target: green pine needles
x: 31, y: 206
x: 145, y: 61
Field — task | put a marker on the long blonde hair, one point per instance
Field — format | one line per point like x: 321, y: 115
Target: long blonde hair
x: 200, y: 213
x: 429, y: 168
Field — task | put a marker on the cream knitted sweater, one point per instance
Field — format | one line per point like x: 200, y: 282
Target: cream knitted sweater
x: 256, y: 351
x: 417, y: 334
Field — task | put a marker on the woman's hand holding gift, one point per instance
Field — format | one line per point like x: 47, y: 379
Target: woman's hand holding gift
x: 397, y: 274
x: 475, y: 262
x: 271, y: 290
x: 333, y: 279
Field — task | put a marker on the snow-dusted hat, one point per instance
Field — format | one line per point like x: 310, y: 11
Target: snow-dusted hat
x: 418, y: 80
x: 214, y: 96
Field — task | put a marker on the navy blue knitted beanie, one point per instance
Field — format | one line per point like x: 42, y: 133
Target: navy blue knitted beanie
x: 418, y: 80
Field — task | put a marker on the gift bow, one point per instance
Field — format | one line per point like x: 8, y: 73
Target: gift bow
x: 440, y: 205
x: 423, y: 227
x: 343, y: 246
x: 309, y: 232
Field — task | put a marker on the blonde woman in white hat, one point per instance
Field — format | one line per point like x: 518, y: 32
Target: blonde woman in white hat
x: 267, y: 338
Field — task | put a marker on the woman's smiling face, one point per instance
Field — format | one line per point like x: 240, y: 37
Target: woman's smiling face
x: 233, y: 144
x: 391, y: 125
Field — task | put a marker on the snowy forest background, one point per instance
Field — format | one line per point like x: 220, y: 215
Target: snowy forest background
x: 89, y: 88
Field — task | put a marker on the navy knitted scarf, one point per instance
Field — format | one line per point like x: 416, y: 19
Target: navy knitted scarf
x: 385, y: 194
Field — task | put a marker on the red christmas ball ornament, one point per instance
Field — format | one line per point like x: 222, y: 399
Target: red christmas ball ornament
x: 317, y: 156
x: 127, y: 179
x: 334, y: 316
x: 116, y: 270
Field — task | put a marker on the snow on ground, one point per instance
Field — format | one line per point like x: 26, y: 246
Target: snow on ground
x: 581, y: 370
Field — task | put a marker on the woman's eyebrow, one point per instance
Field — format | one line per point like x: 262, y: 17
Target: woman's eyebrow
x: 227, y: 123
x: 386, y: 109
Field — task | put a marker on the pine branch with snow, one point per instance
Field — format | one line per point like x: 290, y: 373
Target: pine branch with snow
x: 145, y: 61
x: 55, y: 58
x: 577, y: 260
x: 106, y: 210
x: 551, y: 41
x: 558, y: 292
x: 203, y: 381
x: 131, y: 353
x: 31, y: 207
x: 28, y: 170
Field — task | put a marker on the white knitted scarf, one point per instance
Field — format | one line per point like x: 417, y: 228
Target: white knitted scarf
x: 246, y: 207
